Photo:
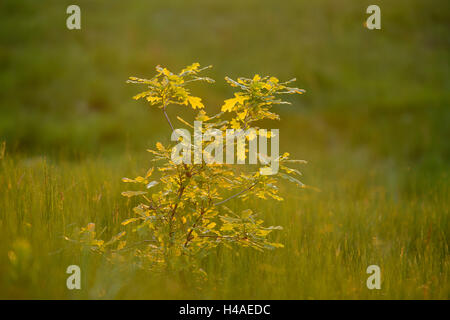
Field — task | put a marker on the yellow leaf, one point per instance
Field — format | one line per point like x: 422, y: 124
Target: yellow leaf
x: 273, y: 80
x: 211, y: 225
x: 163, y: 71
x: 124, y: 223
x: 159, y: 146
x: 192, y: 67
x: 140, y: 179
x: 121, y: 245
x: 97, y: 243
x: 242, y: 115
x: 141, y: 95
x: 230, y: 103
x: 202, y: 116
x: 132, y: 193
x: 263, y: 232
x: 226, y: 227
x: 195, y: 102
x: 235, y: 124
x: 153, y: 99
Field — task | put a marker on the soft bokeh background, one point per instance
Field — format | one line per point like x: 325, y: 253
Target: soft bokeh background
x: 374, y: 126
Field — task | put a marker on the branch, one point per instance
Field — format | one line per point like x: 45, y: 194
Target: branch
x: 167, y: 117
x: 188, y: 236
x: 236, y: 195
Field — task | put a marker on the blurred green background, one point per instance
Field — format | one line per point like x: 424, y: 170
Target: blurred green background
x: 387, y: 90
x: 374, y: 123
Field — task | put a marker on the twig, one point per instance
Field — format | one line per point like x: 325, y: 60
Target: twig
x: 167, y: 117
x: 236, y: 195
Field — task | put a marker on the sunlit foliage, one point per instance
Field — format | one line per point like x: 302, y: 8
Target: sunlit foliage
x: 183, y: 213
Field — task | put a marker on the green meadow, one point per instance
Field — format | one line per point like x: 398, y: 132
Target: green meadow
x: 374, y: 126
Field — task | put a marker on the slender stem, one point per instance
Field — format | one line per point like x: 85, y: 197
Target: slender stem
x: 174, y: 209
x: 235, y: 195
x: 167, y: 117
x: 188, y: 236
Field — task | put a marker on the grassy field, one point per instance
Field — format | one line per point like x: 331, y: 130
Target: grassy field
x: 373, y: 125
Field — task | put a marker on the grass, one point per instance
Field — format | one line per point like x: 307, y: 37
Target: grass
x: 373, y: 126
x: 387, y: 216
